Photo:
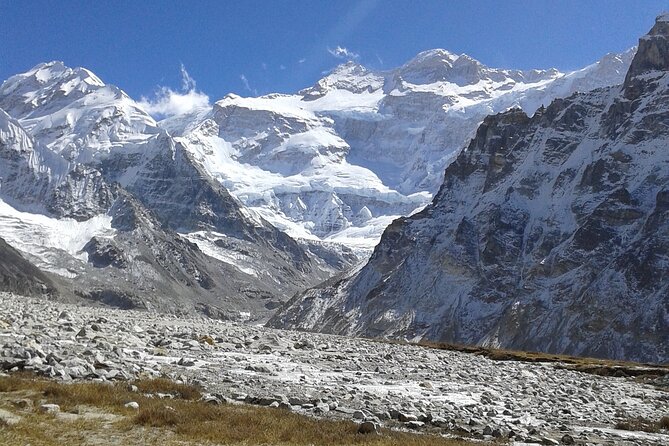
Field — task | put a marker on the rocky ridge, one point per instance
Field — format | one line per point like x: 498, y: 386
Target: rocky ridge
x: 400, y: 386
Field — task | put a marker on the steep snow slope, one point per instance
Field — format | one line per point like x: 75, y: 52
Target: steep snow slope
x: 341, y: 159
x: 548, y: 233
x: 47, y: 239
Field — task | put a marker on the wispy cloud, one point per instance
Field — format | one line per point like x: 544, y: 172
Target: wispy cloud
x: 341, y: 52
x: 247, y: 85
x: 168, y: 102
x: 304, y: 59
x: 187, y: 82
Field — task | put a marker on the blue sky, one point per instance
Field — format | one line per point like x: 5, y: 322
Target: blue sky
x: 256, y: 47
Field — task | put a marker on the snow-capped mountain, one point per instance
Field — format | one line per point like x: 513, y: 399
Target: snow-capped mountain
x: 549, y: 232
x: 231, y: 209
x: 92, y: 189
x: 340, y: 160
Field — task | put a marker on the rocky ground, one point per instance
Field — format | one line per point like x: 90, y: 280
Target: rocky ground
x: 400, y: 386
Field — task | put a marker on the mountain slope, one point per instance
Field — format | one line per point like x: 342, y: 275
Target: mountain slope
x: 548, y: 233
x: 340, y: 160
x: 17, y: 275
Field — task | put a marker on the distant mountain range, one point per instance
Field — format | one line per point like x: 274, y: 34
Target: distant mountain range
x: 547, y: 231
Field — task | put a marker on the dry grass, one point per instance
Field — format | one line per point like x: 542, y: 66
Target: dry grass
x: 166, y: 386
x: 184, y: 420
x: 39, y: 430
x: 595, y: 366
x: 664, y: 423
x: 644, y: 425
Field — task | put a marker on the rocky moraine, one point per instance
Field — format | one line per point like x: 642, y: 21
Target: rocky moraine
x: 401, y: 386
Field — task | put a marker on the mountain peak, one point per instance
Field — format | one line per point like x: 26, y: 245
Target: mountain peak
x: 46, y: 83
x: 441, y: 65
x: 349, y: 76
x: 652, y: 54
x: 434, y: 54
x: 664, y: 17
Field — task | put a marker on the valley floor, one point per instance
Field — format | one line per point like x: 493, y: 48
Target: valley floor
x: 406, y: 387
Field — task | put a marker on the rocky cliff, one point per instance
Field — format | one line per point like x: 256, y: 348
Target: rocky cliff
x: 548, y: 233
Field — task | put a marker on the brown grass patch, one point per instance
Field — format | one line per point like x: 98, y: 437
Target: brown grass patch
x: 664, y: 423
x: 166, y: 386
x: 643, y: 425
x: 595, y: 366
x: 68, y: 396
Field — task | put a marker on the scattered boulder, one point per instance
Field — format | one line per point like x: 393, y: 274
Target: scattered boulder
x: 368, y: 427
x: 49, y: 408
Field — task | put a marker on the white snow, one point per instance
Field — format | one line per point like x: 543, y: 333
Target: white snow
x: 48, y: 238
x: 204, y: 241
x: 310, y: 162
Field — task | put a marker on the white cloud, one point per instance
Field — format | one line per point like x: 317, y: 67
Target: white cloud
x: 187, y: 82
x: 302, y: 60
x: 247, y: 86
x: 343, y: 53
x: 168, y: 102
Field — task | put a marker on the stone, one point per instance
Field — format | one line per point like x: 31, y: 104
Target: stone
x: 567, y: 439
x: 132, y: 405
x: 530, y: 392
x: 259, y: 368
x: 368, y: 427
x: 406, y: 417
x: 22, y: 404
x: 210, y: 399
x: 322, y: 408
x: 49, y: 408
x: 186, y: 362
x: 8, y: 418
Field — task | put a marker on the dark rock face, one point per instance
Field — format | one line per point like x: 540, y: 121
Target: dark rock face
x: 653, y: 50
x: 147, y: 265
x: 81, y: 195
x: 549, y: 233
x: 103, y: 253
x: 21, y: 181
x: 18, y: 275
